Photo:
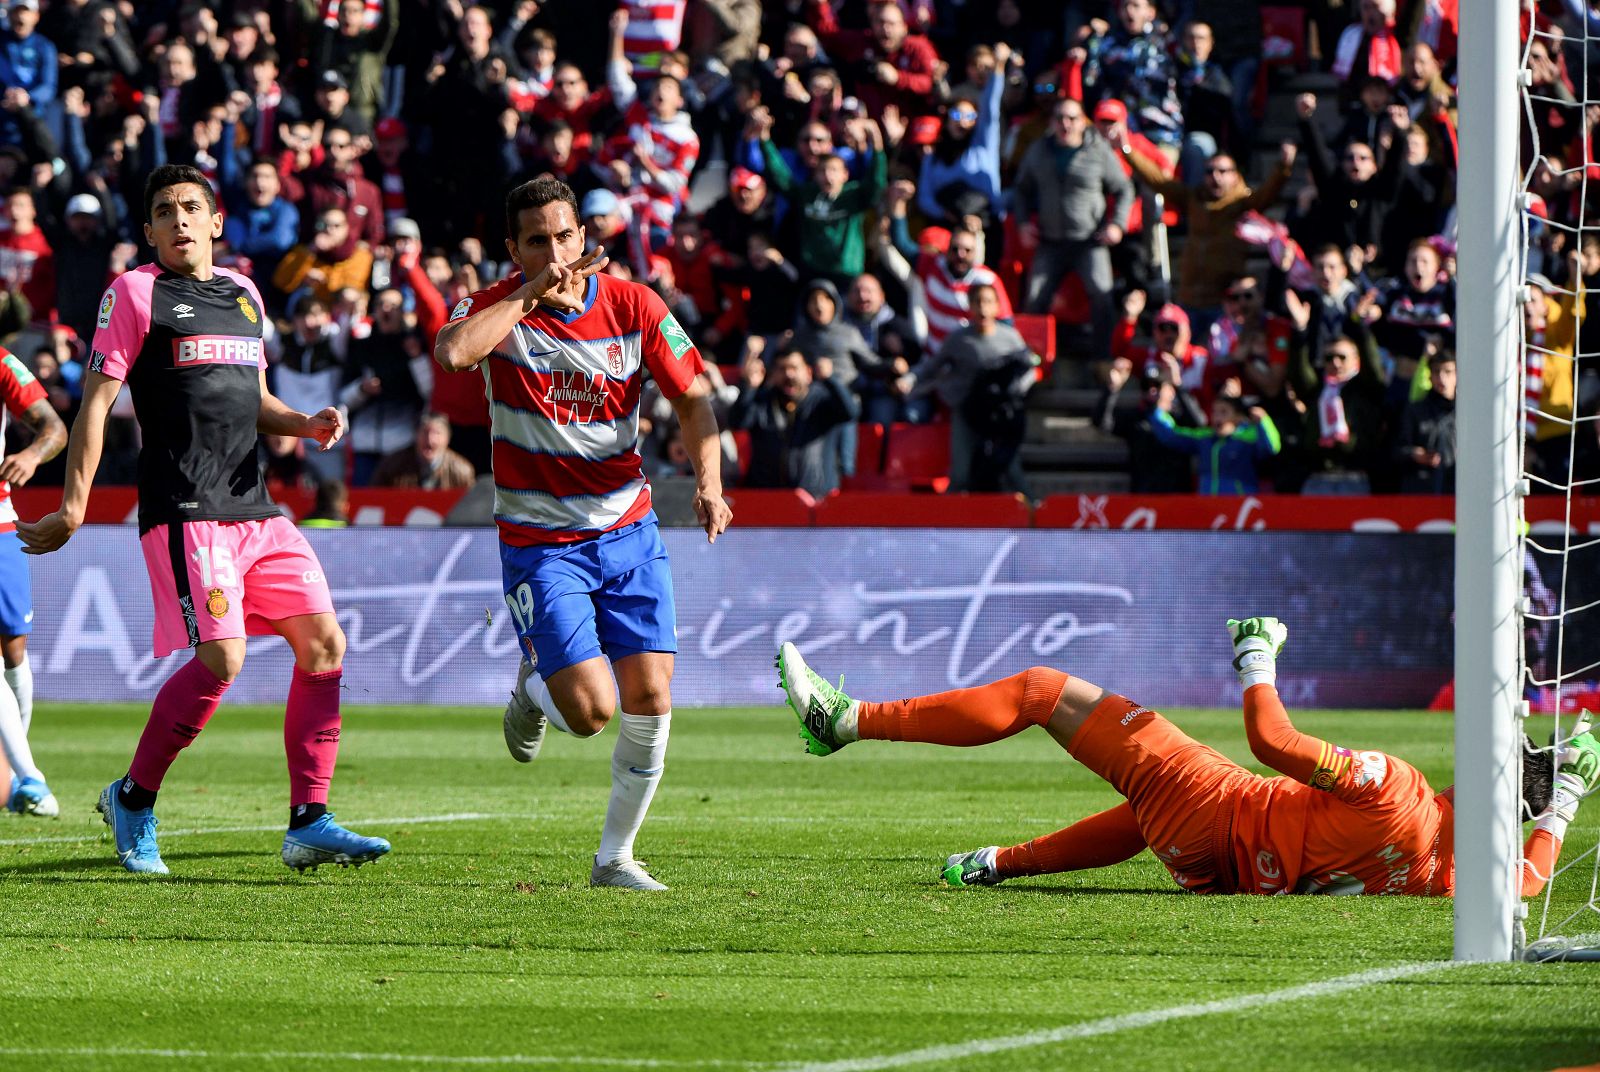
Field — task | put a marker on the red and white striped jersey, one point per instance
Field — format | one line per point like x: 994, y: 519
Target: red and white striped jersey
x: 18, y: 391
x: 672, y: 146
x: 654, y: 27
x: 564, y: 408
x: 944, y: 296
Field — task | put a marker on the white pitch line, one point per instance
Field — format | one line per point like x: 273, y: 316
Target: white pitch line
x: 1111, y: 1025
x: 93, y: 835
x: 448, y: 1060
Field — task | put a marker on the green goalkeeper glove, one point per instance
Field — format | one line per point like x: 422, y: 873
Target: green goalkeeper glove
x: 1577, y: 769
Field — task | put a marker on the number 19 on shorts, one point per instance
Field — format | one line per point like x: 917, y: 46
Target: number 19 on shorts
x: 520, y: 600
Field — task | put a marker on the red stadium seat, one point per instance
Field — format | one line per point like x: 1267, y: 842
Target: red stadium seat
x: 771, y: 507
x: 869, y: 449
x: 890, y: 509
x: 918, y: 455
x: 741, y: 443
x: 1039, y: 332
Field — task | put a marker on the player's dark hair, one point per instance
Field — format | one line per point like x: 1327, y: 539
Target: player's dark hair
x: 537, y: 194
x: 1538, y: 772
x: 168, y: 175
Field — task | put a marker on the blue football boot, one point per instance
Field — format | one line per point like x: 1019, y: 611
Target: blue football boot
x: 326, y: 842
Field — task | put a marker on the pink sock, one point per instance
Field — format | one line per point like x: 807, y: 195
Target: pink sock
x: 182, y: 708
x: 311, y: 734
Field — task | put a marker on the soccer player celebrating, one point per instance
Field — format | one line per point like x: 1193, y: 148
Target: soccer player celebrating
x: 584, y: 568
x: 1334, y: 821
x: 186, y: 337
x: 21, y: 395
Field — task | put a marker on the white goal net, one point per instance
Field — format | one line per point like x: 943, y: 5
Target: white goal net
x: 1559, y: 271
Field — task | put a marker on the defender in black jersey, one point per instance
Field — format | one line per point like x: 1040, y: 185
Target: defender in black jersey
x: 186, y: 338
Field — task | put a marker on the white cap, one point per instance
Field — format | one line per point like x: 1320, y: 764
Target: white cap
x: 83, y: 205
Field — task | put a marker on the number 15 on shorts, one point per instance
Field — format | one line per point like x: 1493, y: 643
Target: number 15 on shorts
x: 520, y: 600
x: 216, y: 567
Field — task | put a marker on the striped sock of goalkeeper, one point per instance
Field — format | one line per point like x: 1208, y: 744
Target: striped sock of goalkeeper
x: 636, y: 765
x: 14, y: 738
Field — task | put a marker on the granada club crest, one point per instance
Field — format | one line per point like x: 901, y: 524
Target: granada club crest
x: 614, y: 358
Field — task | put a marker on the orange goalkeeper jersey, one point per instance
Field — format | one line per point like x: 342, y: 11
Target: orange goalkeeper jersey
x: 1372, y: 825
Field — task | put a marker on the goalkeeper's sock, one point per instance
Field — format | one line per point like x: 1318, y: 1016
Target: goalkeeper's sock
x: 181, y: 710
x: 20, y: 680
x: 311, y: 724
x: 14, y: 738
x: 1100, y: 840
x: 979, y: 715
x: 538, y: 692
x: 637, y: 761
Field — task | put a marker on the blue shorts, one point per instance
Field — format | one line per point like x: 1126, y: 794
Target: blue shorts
x: 16, y: 589
x: 611, y: 595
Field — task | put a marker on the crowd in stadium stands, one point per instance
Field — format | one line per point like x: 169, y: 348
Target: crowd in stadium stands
x: 862, y: 210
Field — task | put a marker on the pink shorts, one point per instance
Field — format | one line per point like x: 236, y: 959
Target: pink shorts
x: 218, y: 580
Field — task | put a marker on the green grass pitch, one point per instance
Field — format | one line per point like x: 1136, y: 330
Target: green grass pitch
x: 804, y: 927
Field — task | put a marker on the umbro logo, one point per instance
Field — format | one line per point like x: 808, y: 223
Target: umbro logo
x: 183, y: 311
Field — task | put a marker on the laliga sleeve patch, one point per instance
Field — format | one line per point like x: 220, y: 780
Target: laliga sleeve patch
x: 675, y: 337
x: 463, y: 309
x: 18, y: 369
x: 107, y: 304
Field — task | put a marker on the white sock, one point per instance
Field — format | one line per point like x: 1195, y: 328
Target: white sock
x: 636, y: 765
x: 1256, y: 668
x: 20, y: 678
x: 14, y: 738
x: 846, y: 728
x: 539, y: 693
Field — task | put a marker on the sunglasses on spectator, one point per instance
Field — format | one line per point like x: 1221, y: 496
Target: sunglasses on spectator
x: 1166, y: 325
x: 963, y: 113
x: 1044, y: 87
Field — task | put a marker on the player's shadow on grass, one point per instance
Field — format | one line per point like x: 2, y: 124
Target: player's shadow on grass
x: 105, y: 864
x: 1099, y: 891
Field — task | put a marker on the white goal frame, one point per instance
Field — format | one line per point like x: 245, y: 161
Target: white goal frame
x: 1488, y: 568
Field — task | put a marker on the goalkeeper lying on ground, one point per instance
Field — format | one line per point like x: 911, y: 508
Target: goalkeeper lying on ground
x: 1336, y: 821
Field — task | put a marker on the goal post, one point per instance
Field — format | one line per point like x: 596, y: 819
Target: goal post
x: 1488, y: 567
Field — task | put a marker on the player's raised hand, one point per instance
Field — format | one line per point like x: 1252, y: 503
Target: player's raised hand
x: 47, y: 534
x: 561, y: 286
x: 715, y: 514
x: 326, y: 426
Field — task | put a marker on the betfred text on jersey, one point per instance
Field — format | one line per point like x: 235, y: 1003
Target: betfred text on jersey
x: 216, y: 350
